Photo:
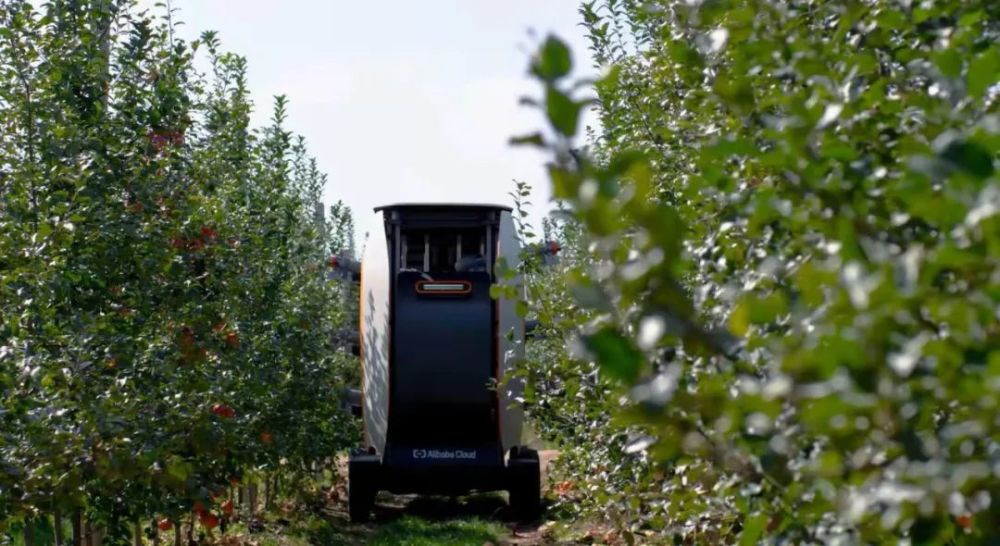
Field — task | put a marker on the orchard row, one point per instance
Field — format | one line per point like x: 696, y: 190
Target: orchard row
x: 166, y: 321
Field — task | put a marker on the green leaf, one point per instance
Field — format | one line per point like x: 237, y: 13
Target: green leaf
x: 609, y: 81
x: 563, y: 112
x: 617, y: 356
x: 178, y: 468
x: 769, y: 308
x: 684, y: 55
x: 734, y: 92
x: 949, y: 62
x: 726, y: 147
x: 521, y: 308
x: 753, y: 529
x: 757, y: 310
x: 984, y: 71
x: 970, y: 157
x: 553, y: 61
x: 565, y: 183
x: 496, y: 291
x: 971, y: 18
x: 534, y: 139
x: 739, y: 319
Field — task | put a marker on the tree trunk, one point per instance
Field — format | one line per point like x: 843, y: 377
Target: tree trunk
x: 177, y: 533
x: 137, y: 535
x: 156, y: 533
x: 57, y: 527
x: 268, y: 493
x: 92, y: 534
x: 77, y: 529
x: 29, y: 532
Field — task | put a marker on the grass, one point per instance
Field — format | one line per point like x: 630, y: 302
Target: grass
x: 414, y: 531
x: 419, y: 532
x: 409, y: 530
x: 417, y: 522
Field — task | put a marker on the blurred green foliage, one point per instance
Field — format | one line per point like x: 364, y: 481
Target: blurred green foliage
x: 781, y: 282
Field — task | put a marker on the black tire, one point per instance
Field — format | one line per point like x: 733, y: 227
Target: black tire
x: 361, y: 487
x: 526, y: 484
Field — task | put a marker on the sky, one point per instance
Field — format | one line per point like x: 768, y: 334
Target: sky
x: 400, y: 100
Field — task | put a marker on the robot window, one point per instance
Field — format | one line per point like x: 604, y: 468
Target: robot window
x: 443, y: 251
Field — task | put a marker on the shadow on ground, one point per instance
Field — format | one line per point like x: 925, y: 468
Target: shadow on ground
x: 474, y: 520
x: 417, y: 520
x: 486, y: 506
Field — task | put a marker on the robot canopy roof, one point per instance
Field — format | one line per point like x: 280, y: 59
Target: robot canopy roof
x: 439, y: 206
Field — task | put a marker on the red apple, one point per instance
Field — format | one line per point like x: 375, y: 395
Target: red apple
x: 223, y: 411
x: 208, y: 520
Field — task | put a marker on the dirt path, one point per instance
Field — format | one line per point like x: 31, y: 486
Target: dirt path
x: 443, y: 512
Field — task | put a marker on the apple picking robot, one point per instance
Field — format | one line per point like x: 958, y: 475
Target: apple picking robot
x: 439, y: 415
